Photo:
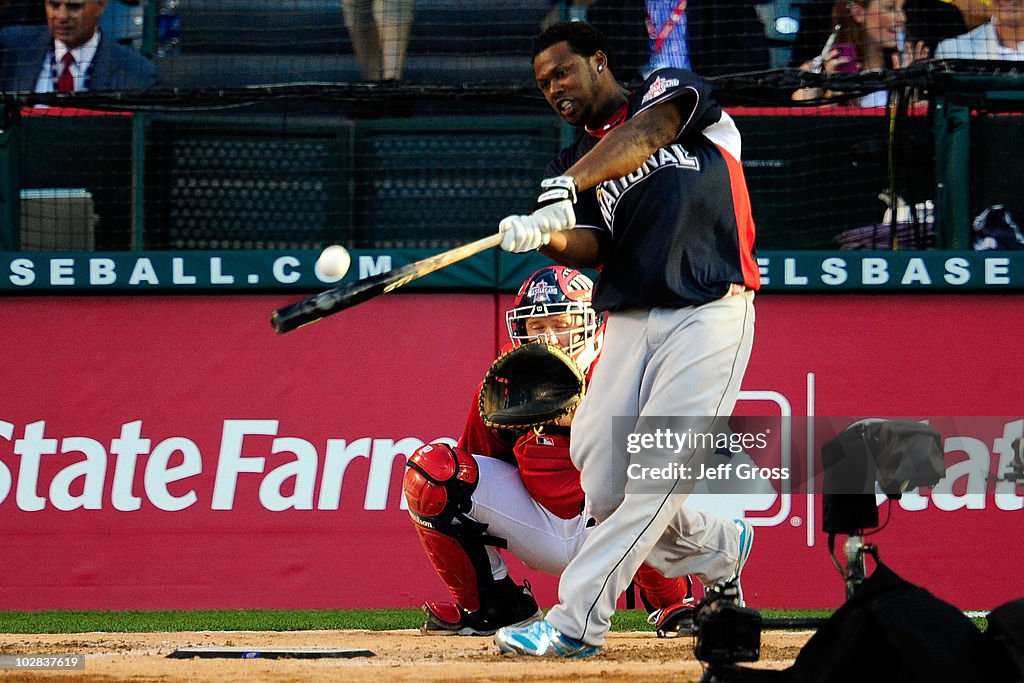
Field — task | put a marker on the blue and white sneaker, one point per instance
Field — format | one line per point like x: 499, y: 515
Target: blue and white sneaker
x: 746, y: 543
x: 541, y: 639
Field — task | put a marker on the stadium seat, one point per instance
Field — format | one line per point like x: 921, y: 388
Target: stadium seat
x: 231, y: 43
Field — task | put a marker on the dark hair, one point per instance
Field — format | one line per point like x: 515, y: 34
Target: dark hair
x: 583, y: 39
x: 849, y: 31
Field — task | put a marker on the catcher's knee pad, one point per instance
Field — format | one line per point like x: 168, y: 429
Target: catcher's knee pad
x: 439, y: 484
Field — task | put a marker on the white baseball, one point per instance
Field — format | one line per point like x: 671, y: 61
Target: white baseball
x: 334, y: 262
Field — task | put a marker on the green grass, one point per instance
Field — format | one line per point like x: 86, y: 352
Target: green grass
x: 268, y: 620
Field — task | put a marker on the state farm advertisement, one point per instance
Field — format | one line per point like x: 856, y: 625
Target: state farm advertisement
x: 172, y: 452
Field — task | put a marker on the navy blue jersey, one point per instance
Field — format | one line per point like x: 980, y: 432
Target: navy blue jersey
x: 680, y: 225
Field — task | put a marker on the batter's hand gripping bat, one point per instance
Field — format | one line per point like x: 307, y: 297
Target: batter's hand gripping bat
x: 321, y: 305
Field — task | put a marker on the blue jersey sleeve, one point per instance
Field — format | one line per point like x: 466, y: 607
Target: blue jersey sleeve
x: 693, y: 95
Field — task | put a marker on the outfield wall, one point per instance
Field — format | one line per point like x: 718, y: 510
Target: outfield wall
x: 171, y: 452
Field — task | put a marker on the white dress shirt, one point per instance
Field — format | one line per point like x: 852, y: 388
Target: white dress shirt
x: 981, y: 43
x: 83, y: 55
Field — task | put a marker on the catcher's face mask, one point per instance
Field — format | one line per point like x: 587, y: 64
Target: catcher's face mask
x: 553, y: 305
x: 566, y: 330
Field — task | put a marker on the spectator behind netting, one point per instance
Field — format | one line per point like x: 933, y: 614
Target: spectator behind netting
x: 1001, y: 38
x: 379, y: 30
x: 709, y: 37
x: 69, y: 53
x: 975, y: 12
x: 929, y: 20
x: 867, y: 37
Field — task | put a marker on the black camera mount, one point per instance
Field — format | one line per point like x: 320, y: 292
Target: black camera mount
x: 726, y: 633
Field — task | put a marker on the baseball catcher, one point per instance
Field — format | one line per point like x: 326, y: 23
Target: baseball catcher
x: 509, y: 483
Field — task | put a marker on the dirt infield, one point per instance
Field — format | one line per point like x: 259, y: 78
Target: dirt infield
x: 399, y: 656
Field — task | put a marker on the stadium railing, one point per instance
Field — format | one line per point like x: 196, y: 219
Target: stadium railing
x: 261, y: 138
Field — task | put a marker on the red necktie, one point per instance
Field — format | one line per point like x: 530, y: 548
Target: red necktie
x: 66, y: 82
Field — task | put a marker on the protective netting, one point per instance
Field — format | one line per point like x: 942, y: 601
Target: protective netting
x: 264, y: 129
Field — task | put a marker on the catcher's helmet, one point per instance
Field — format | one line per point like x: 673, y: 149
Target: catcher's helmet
x: 552, y: 291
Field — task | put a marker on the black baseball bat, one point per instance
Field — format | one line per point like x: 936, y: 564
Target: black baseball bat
x: 326, y: 303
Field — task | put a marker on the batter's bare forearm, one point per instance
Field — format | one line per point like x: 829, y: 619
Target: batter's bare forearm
x: 579, y: 248
x: 625, y: 148
x: 618, y: 154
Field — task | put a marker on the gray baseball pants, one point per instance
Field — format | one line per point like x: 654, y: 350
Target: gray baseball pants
x: 687, y: 363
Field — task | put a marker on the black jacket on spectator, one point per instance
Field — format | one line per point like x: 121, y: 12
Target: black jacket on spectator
x: 725, y: 37
x: 933, y: 21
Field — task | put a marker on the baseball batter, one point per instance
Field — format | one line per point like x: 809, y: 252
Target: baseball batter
x: 518, y: 490
x: 654, y: 187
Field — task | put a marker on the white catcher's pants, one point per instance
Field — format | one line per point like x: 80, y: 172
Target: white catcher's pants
x: 540, y: 539
x: 686, y: 362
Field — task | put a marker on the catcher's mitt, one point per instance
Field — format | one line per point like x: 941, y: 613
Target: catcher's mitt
x: 530, y: 386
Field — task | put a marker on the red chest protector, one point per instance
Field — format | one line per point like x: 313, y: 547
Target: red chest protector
x: 548, y: 473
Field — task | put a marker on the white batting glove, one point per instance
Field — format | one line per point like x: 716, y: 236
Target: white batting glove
x: 554, y: 211
x: 520, y: 234
x: 555, y: 217
x: 556, y: 189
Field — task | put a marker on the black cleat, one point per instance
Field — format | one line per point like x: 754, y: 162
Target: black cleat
x: 511, y: 605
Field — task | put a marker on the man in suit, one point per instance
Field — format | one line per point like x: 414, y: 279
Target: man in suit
x: 69, y: 53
